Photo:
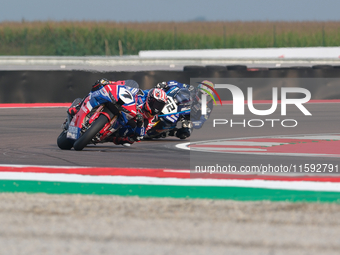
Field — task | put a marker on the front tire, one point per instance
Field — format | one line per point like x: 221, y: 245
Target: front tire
x: 63, y: 142
x: 90, y: 133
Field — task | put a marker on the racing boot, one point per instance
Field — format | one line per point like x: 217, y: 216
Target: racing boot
x: 172, y: 133
x: 183, y: 133
x: 122, y: 140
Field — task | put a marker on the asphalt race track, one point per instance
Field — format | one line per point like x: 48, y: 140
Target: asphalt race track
x: 74, y: 224
x: 28, y: 137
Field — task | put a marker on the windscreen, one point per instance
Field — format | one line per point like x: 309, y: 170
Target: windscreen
x: 183, y: 97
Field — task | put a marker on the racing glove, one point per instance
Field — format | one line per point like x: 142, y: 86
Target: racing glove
x: 162, y: 85
x: 99, y: 83
x: 72, y: 111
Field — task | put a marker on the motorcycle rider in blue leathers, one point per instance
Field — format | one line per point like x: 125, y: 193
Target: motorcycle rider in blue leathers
x: 193, y: 118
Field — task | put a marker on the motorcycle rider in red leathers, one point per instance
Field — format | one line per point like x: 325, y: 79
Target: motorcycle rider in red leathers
x: 146, y: 112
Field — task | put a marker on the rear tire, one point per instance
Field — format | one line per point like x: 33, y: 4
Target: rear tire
x: 237, y: 68
x: 215, y: 68
x: 322, y: 67
x: 63, y: 142
x: 90, y: 133
x: 194, y: 68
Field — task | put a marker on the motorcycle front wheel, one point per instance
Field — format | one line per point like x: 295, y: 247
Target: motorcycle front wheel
x: 86, y: 137
x: 63, y: 142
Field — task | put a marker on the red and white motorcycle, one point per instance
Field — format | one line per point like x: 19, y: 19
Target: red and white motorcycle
x: 101, y: 114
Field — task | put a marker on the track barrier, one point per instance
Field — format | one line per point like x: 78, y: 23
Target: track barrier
x: 64, y: 86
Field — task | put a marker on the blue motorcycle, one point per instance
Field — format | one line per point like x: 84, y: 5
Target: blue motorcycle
x: 175, y: 117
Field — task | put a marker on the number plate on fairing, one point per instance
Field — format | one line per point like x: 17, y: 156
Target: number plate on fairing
x: 73, y: 132
x: 170, y: 107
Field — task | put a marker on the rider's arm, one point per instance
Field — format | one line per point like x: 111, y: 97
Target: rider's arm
x: 200, y: 119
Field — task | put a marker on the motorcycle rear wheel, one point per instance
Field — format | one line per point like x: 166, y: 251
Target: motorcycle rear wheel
x: 63, y: 142
x: 90, y: 133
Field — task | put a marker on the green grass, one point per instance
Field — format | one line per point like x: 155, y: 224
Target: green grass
x: 90, y: 38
